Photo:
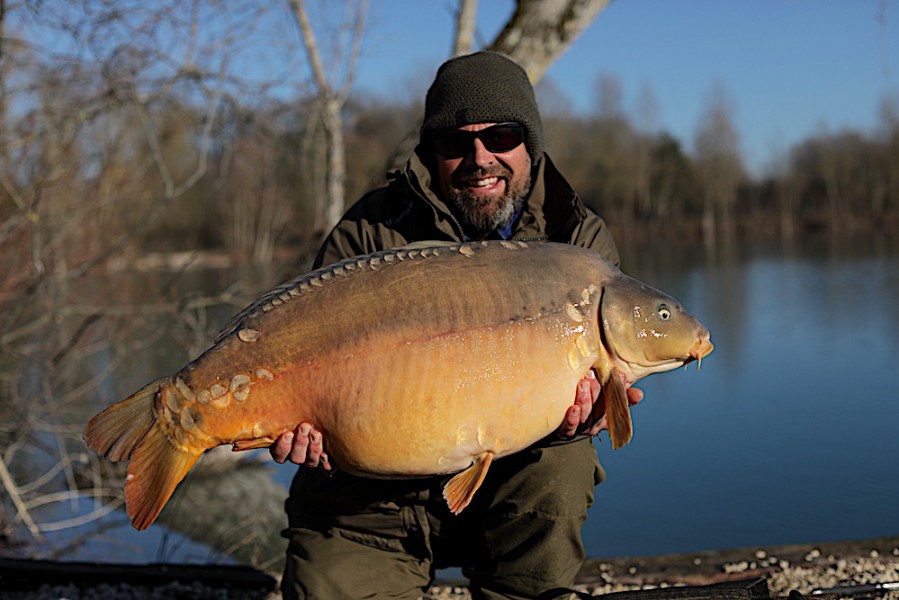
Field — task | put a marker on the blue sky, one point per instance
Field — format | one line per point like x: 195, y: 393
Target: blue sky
x: 790, y: 67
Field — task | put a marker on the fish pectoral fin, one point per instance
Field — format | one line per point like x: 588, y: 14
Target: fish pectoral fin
x: 241, y: 445
x: 618, y: 410
x: 459, y: 490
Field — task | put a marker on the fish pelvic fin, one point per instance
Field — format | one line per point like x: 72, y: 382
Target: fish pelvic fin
x: 129, y: 430
x: 618, y: 411
x: 459, y: 490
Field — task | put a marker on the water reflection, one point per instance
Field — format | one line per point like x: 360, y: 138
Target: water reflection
x: 787, y: 435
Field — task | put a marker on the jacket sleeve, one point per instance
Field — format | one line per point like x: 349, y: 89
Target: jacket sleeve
x: 362, y: 230
x: 594, y: 233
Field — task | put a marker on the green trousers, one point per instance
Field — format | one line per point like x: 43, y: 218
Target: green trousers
x: 352, y: 537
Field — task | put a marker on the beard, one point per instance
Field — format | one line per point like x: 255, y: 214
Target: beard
x: 481, y: 215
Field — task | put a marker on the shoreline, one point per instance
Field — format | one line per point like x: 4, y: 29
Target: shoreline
x: 712, y: 566
x: 785, y: 568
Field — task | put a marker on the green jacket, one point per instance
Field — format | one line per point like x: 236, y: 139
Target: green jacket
x: 407, y: 211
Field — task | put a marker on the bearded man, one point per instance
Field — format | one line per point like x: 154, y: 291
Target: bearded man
x: 479, y: 172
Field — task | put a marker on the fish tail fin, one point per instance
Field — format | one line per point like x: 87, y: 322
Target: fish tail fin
x: 157, y: 467
x: 618, y: 410
x: 129, y: 430
x: 116, y: 432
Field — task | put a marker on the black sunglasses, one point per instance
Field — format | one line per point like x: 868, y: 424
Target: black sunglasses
x: 454, y: 143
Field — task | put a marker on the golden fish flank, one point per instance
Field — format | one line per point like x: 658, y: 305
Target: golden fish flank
x: 240, y: 387
x: 497, y: 337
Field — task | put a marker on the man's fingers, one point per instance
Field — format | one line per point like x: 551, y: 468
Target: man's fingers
x: 594, y: 384
x: 300, y: 444
x: 281, y: 448
x: 326, y: 463
x: 600, y: 425
x: 583, y: 399
x: 634, y: 395
x: 571, y: 422
x: 315, y: 449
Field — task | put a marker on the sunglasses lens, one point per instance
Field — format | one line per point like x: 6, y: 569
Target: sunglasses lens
x: 452, y: 144
x: 499, y: 138
x: 502, y: 138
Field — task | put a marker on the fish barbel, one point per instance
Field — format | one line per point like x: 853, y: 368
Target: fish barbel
x: 411, y: 362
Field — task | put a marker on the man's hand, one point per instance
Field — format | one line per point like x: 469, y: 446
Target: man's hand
x: 302, y: 446
x: 588, y: 413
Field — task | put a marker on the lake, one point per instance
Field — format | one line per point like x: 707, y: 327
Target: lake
x: 788, y: 433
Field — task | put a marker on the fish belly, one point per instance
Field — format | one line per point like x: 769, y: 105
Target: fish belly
x: 431, y: 406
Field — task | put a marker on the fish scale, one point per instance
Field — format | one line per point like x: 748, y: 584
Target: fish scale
x: 411, y: 362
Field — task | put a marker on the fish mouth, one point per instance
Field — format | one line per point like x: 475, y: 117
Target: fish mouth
x: 702, y: 348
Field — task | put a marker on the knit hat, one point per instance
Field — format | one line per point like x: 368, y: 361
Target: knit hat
x: 484, y: 87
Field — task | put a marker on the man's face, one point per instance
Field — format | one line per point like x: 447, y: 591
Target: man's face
x: 486, y: 188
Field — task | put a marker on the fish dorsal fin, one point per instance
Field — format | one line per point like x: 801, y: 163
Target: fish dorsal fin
x: 618, y: 411
x: 309, y: 282
x: 459, y: 490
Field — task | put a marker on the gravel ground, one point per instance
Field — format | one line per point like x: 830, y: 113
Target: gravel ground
x: 855, y: 575
x: 786, y: 568
x: 853, y: 566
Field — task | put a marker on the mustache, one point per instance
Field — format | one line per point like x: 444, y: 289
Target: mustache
x: 464, y: 177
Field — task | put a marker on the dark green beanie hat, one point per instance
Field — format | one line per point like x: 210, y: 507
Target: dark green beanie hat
x: 484, y: 87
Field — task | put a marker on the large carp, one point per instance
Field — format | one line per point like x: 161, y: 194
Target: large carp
x: 411, y: 362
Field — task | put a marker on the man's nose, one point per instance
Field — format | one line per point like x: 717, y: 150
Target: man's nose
x: 480, y: 155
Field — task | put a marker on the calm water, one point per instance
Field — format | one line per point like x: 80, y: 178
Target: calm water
x: 788, y: 434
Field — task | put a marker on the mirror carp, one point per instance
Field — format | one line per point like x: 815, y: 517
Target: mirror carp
x: 411, y: 362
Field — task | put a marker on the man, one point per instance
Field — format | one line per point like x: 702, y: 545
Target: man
x: 479, y: 172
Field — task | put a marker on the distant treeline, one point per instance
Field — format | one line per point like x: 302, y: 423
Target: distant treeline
x: 173, y: 176
x: 650, y: 185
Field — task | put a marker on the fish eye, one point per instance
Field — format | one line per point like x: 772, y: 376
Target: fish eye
x: 664, y: 312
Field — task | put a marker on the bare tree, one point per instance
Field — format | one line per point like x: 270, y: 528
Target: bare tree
x: 95, y: 154
x: 647, y: 110
x: 539, y: 31
x: 466, y: 19
x: 888, y: 116
x: 719, y: 163
x: 332, y: 97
